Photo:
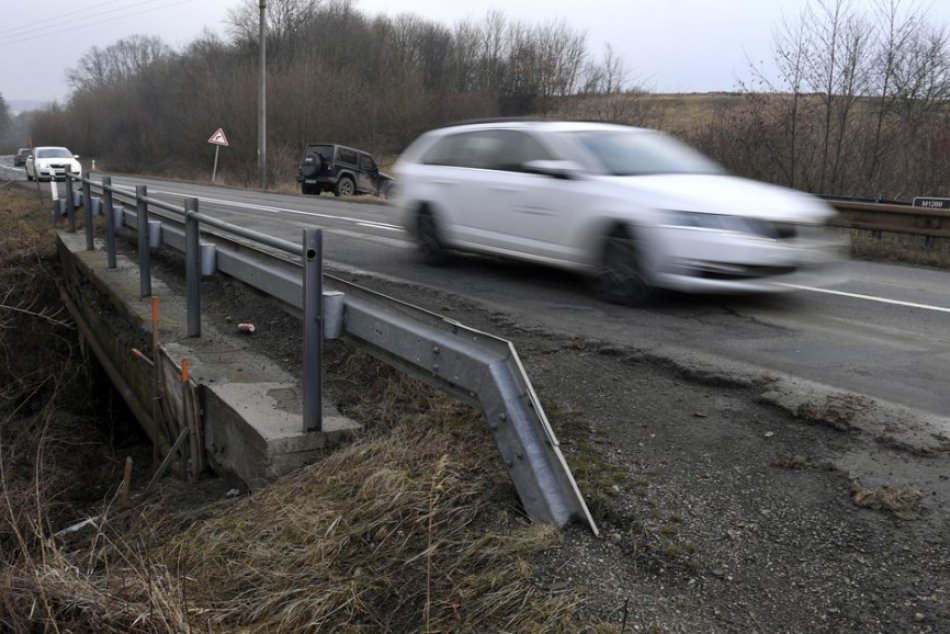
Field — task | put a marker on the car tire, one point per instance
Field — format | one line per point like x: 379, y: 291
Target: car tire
x: 345, y: 187
x: 430, y: 246
x: 309, y: 189
x: 386, y: 190
x: 311, y: 165
x: 619, y: 278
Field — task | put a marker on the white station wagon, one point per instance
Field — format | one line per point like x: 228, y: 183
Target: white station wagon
x: 635, y: 208
x: 49, y: 162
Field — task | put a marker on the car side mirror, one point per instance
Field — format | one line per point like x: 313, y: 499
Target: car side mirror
x: 75, y: 156
x: 564, y: 170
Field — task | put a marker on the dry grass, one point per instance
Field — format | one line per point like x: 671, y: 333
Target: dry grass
x: 397, y: 533
x: 836, y: 411
x: 901, y: 248
x: 903, y: 502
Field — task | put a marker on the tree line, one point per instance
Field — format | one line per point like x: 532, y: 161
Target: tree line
x: 860, y: 104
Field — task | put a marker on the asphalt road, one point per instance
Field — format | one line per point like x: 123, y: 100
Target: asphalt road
x: 883, y: 331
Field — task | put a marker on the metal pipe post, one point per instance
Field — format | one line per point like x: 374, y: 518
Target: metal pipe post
x: 312, y: 330
x: 87, y: 205
x: 145, y: 260
x: 193, y: 267
x: 70, y: 203
x: 109, y: 212
x: 262, y: 99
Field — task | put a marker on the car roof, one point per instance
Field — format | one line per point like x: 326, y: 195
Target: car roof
x: 533, y: 124
x: 50, y: 147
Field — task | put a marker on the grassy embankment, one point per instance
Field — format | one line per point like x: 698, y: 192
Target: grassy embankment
x: 410, y: 528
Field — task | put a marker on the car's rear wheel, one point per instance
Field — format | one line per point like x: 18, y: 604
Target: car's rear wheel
x: 431, y: 248
x: 345, y: 186
x: 620, y: 277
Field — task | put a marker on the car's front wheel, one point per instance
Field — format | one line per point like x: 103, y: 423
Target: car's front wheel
x: 431, y: 248
x: 620, y: 277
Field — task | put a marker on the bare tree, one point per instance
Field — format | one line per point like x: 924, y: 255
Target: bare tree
x: 119, y: 62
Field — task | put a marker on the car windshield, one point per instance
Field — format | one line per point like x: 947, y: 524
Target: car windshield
x: 54, y: 152
x: 636, y: 152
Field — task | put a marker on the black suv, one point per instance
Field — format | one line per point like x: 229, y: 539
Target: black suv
x: 343, y: 170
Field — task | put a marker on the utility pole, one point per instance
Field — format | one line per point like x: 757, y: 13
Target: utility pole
x: 262, y: 102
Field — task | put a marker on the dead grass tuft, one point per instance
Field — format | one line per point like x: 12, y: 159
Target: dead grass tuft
x: 903, y: 502
x: 835, y: 411
x: 793, y: 461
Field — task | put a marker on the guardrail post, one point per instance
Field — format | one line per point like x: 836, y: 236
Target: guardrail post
x: 312, y: 330
x: 70, y: 203
x: 193, y: 267
x: 109, y: 212
x: 145, y: 260
x: 87, y: 205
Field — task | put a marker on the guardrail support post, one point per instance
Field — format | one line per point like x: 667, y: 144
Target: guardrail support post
x: 145, y: 260
x: 312, y: 330
x: 109, y: 212
x: 87, y: 204
x: 70, y: 202
x: 193, y: 267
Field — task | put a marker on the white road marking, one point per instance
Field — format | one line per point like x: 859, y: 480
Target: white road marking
x: 380, y: 225
x: 870, y: 298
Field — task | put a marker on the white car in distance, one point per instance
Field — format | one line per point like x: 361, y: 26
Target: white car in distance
x: 50, y: 162
x: 635, y: 208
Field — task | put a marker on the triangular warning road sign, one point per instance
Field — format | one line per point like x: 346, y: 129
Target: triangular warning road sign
x: 219, y: 138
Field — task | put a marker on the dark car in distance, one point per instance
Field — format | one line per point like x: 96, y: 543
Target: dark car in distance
x: 19, y: 159
x: 343, y: 170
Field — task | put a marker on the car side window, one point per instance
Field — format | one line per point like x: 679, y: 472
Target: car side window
x: 344, y: 155
x: 517, y: 148
x: 472, y: 149
x: 367, y: 164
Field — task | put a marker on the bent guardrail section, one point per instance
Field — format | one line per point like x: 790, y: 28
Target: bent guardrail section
x: 477, y: 367
x: 483, y: 370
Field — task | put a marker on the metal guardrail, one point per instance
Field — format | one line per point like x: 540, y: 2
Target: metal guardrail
x: 477, y: 367
x: 892, y: 218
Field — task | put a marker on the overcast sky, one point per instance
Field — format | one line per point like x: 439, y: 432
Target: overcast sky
x: 667, y: 45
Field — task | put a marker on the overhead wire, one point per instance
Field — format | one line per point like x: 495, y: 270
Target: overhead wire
x: 59, y: 17
x: 89, y: 20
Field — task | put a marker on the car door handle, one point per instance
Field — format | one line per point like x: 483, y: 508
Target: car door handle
x: 535, y: 210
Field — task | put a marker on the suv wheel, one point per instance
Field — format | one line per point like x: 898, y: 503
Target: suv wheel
x: 619, y: 278
x: 345, y: 186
